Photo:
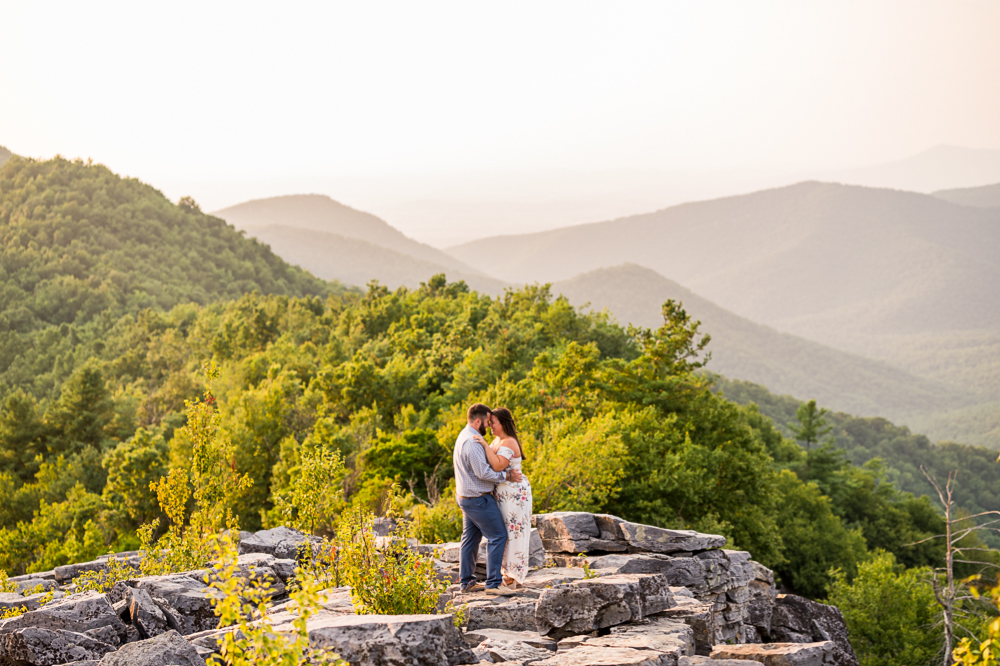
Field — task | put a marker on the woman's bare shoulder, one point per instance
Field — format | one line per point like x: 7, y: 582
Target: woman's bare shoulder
x: 512, y: 444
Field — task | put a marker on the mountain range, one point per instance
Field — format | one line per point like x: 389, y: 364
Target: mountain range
x: 740, y: 348
x: 986, y: 196
x: 337, y: 242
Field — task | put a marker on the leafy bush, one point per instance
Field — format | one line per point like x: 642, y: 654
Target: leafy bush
x: 240, y: 599
x: 190, y: 544
x: 386, y: 577
x: 985, y: 652
x: 102, y: 580
x: 890, y: 615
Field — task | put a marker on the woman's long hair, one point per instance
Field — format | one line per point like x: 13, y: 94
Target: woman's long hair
x: 506, y: 420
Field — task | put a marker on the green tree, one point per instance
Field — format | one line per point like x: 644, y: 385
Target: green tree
x: 890, y: 613
x: 816, y: 539
x: 811, y: 426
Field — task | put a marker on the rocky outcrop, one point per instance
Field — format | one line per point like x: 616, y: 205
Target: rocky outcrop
x: 795, y: 619
x: 589, y: 605
x: 602, y: 591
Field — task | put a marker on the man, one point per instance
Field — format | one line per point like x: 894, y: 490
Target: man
x: 475, y: 480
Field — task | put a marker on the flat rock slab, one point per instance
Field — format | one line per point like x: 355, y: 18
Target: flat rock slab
x: 47, y: 647
x: 168, y: 649
x: 10, y: 600
x: 281, y: 542
x: 515, y: 651
x: 391, y: 640
x: 708, y: 661
x: 656, y: 633
x: 76, y: 613
x: 474, y: 638
x: 659, y: 540
x: 825, y: 653
x: 186, y: 603
x: 552, y: 576
x: 597, y: 603
x: 607, y: 656
x: 512, y: 616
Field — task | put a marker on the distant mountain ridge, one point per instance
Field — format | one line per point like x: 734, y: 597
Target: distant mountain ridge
x: 937, y: 168
x: 319, y: 212
x: 355, y: 261
x: 808, y: 258
x: 987, y: 196
x: 337, y: 242
x: 4, y: 155
x: 741, y: 349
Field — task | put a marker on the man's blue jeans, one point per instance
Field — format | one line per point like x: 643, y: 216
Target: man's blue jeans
x: 482, y: 518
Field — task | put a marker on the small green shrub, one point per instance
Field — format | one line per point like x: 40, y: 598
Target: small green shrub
x: 254, y: 643
x: 104, y: 579
x: 213, y: 482
x: 6, y: 585
x: 385, y: 575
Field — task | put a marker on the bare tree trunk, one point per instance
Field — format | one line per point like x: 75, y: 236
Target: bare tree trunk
x: 949, y: 594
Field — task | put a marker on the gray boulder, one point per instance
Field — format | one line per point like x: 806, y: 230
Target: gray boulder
x: 105, y: 635
x: 281, y: 542
x: 760, y: 604
x: 186, y: 603
x: 511, y: 616
x: 10, y: 600
x: 282, y: 568
x: 588, y: 605
x: 825, y: 653
x: 659, y: 540
x: 536, y: 551
x: 390, y: 640
x: 35, y: 646
x: 75, y: 613
x: 144, y: 614
x: 795, y: 619
x: 167, y: 649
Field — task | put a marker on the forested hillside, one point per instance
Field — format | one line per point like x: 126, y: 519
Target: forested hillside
x: 81, y: 247
x: 742, y: 349
x: 611, y: 420
x: 901, y: 452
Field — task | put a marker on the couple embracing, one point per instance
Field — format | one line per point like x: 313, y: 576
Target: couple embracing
x: 495, y: 498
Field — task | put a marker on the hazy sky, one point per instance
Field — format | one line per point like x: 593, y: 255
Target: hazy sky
x: 406, y: 104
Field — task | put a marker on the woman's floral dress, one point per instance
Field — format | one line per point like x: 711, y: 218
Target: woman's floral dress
x: 514, y: 500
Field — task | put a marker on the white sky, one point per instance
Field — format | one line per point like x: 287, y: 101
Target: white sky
x: 483, y: 107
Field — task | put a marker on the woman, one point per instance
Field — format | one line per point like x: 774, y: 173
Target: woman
x: 514, y: 499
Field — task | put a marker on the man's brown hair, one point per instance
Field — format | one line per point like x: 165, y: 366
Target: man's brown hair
x: 478, y: 411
